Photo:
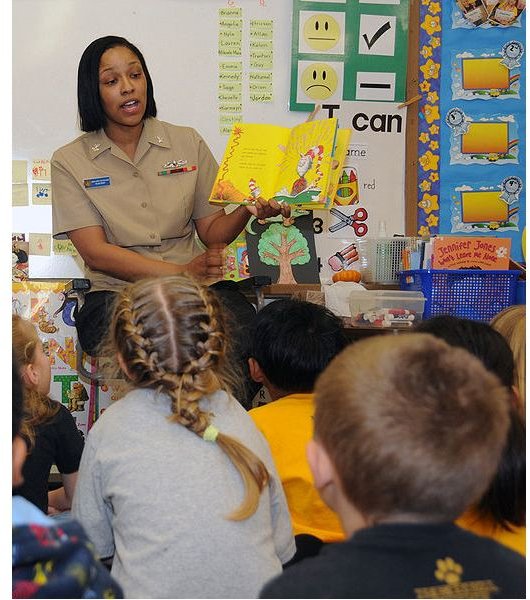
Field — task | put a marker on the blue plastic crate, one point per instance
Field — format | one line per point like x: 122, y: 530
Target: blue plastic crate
x: 470, y: 294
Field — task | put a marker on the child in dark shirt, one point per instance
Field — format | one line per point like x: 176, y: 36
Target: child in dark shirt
x: 48, y: 427
x: 501, y: 512
x: 49, y: 560
x: 408, y: 434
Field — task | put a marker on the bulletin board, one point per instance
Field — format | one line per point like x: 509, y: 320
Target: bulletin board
x: 472, y: 128
x: 188, y: 59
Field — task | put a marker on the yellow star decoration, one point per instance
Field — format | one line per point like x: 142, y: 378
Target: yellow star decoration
x: 424, y: 137
x: 435, y: 42
x: 425, y: 86
x: 426, y: 51
x: 430, y: 69
x: 434, y: 129
x: 424, y: 231
x: 432, y: 220
x: 448, y: 571
x: 428, y: 203
x: 431, y: 24
x: 429, y: 162
x: 434, y: 8
x: 434, y: 176
x: 433, y: 97
x: 434, y: 145
x: 431, y: 113
x: 425, y: 186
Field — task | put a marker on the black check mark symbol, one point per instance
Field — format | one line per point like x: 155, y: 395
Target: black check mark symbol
x: 383, y: 29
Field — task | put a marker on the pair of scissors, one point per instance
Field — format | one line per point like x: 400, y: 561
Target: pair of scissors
x: 361, y: 214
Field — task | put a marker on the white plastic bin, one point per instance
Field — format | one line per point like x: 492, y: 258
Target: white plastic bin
x: 386, y: 308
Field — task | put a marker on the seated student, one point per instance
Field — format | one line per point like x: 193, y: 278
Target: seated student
x: 48, y: 426
x: 49, y: 560
x: 293, y: 342
x: 408, y: 433
x: 175, y: 480
x: 501, y: 512
x: 511, y: 324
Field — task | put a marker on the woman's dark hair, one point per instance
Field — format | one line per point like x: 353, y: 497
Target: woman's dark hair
x: 91, y: 113
x: 505, y: 500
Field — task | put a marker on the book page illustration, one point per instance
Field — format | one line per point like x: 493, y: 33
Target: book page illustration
x: 289, y: 165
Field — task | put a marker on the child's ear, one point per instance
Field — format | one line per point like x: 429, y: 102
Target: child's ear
x: 29, y: 376
x: 320, y: 464
x: 255, y: 370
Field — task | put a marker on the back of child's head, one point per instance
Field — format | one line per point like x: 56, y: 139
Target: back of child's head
x: 294, y: 341
x: 170, y: 334
x: 413, y: 427
x: 38, y: 408
x: 511, y: 324
x: 25, y: 340
x: 504, y: 502
x: 476, y: 337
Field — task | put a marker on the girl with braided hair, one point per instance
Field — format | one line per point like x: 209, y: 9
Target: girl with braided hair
x: 176, y: 482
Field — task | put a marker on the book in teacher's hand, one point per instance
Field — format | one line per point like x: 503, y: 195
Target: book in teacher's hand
x: 297, y: 165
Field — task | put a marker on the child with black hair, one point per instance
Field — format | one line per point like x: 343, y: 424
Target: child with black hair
x: 49, y: 560
x: 408, y: 434
x: 293, y: 342
x: 501, y: 512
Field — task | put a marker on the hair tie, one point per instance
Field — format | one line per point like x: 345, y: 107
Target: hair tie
x: 210, y: 433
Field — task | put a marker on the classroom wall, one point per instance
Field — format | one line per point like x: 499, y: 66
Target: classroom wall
x: 179, y: 39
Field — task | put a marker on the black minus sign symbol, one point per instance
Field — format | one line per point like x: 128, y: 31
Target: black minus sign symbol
x: 379, y: 86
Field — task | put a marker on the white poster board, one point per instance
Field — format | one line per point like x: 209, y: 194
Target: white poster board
x: 376, y: 163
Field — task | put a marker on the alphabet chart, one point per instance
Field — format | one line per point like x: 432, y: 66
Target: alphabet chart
x: 348, y: 50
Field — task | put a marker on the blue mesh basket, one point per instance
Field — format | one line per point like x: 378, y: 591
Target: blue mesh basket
x: 470, y: 294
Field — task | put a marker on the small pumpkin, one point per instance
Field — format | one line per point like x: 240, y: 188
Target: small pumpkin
x: 347, y: 275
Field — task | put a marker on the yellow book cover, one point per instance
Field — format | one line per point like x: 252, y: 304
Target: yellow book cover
x: 292, y: 165
x: 341, y: 148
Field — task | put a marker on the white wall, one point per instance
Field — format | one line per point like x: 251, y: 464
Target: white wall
x: 179, y: 41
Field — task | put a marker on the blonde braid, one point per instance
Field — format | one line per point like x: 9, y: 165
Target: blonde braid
x: 170, y: 333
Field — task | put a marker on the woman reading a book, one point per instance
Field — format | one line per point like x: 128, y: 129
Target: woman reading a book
x: 132, y: 192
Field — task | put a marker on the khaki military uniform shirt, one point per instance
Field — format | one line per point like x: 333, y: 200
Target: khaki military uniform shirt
x: 138, y: 209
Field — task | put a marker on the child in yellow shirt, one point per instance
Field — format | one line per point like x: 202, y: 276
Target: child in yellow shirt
x: 293, y: 342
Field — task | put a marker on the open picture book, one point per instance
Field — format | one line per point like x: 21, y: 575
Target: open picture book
x: 300, y: 166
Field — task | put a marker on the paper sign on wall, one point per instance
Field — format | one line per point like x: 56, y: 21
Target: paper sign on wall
x: 348, y: 51
x: 20, y: 171
x: 41, y: 169
x: 373, y: 173
x: 471, y: 253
